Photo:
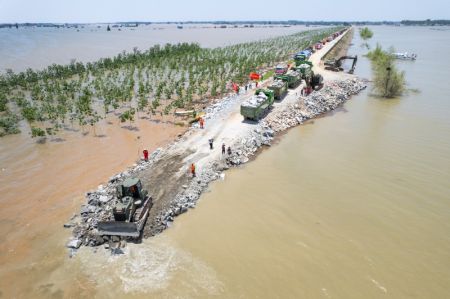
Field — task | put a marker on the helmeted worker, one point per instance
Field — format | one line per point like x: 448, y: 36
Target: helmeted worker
x: 210, y: 141
x: 145, y: 155
x: 193, y: 170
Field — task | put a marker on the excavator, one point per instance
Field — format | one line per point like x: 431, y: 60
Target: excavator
x: 336, y: 64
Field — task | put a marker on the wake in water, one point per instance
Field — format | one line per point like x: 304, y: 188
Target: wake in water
x: 149, y: 267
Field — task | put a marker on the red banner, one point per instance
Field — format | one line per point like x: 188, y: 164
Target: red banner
x: 254, y: 76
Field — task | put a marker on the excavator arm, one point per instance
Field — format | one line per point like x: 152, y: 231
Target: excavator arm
x: 336, y: 65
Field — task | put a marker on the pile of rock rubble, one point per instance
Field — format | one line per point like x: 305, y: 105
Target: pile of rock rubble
x: 98, y: 207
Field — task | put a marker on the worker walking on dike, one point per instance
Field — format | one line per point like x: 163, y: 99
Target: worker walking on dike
x: 223, y: 148
x: 193, y: 170
x: 211, y: 143
x: 146, y: 155
x: 229, y: 151
x: 202, y: 122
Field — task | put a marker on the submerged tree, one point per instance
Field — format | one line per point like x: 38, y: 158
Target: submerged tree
x: 365, y: 33
x: 388, y: 81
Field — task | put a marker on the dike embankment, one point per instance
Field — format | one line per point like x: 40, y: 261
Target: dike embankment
x: 166, y: 174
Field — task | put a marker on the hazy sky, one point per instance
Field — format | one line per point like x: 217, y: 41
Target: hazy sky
x: 170, y: 10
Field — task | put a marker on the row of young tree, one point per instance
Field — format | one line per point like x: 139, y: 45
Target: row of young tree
x: 156, y: 81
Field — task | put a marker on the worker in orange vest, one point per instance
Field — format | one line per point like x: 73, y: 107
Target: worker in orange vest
x: 202, y: 122
x: 193, y: 170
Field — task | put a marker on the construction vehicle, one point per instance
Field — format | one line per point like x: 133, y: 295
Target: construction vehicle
x: 336, y: 64
x: 130, y: 211
x: 305, y: 71
x: 311, y: 79
x: 292, y: 78
x: 255, y: 107
x: 316, y: 81
x: 279, y: 88
x: 281, y: 69
x: 302, y: 58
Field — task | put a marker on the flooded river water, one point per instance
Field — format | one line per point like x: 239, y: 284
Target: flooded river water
x: 352, y: 205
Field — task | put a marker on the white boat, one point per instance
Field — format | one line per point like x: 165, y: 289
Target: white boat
x: 405, y: 56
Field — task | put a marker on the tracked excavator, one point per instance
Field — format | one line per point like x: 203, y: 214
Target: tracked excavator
x: 336, y: 64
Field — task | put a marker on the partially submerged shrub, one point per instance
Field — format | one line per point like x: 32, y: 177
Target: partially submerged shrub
x: 365, y: 33
x: 388, y: 81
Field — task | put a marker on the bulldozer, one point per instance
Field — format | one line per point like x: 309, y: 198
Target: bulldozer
x: 129, y: 212
x: 336, y: 64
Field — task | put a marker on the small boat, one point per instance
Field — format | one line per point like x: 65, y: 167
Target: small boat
x: 405, y: 56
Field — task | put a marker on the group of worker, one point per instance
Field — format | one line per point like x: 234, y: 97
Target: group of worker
x: 225, y: 150
x: 246, y: 87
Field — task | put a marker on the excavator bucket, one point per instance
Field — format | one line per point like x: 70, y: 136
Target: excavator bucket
x: 118, y: 228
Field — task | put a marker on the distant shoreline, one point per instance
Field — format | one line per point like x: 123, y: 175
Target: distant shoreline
x: 427, y: 22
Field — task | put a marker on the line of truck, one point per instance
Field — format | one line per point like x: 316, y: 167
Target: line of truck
x: 285, y: 78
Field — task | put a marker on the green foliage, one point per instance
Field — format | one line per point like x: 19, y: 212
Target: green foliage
x: 3, y: 102
x: 30, y: 113
x: 127, y: 115
x: 388, y: 81
x: 9, y: 124
x: 37, y: 132
x: 268, y: 75
x: 365, y: 33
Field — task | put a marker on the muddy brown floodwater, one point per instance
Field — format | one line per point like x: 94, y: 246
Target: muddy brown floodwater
x: 352, y: 205
x: 43, y: 185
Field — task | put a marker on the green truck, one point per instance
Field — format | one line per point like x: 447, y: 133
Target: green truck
x: 255, y: 107
x: 302, y: 58
x: 279, y: 88
x: 311, y: 79
x: 292, y: 78
x: 305, y: 70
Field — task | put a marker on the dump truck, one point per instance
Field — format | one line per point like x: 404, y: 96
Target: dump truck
x: 305, y: 71
x: 292, y: 78
x: 302, y: 58
x: 129, y: 212
x: 311, y: 79
x: 255, y: 107
x: 279, y: 88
